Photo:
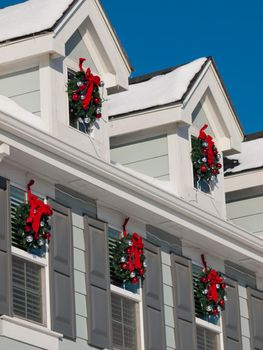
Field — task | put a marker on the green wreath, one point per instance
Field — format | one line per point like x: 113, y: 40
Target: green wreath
x: 85, y: 101
x: 128, y: 259
x: 211, y: 291
x: 205, y: 157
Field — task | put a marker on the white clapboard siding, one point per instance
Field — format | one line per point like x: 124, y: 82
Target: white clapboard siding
x: 23, y: 87
x: 149, y: 157
x: 75, y: 48
x: 247, y: 213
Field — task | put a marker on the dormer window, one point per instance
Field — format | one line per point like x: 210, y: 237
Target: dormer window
x: 76, y: 47
x: 205, y: 157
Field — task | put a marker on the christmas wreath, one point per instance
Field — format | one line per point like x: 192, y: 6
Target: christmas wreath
x: 32, y: 221
x: 211, y: 290
x: 205, y: 156
x: 128, y: 259
x: 85, y: 101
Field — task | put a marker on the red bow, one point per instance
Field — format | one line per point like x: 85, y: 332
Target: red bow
x: 37, y: 209
x: 207, y: 138
x: 213, y: 279
x: 136, y: 249
x: 91, y: 81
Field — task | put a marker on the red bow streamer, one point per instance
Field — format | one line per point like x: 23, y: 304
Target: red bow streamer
x: 37, y: 209
x: 92, y: 80
x: 213, y: 280
x: 136, y: 249
x: 207, y: 138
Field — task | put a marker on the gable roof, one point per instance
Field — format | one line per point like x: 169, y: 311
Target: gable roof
x: 31, y: 17
x: 156, y: 89
x: 35, y: 17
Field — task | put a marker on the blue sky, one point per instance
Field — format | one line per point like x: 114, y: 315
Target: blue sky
x: 160, y: 34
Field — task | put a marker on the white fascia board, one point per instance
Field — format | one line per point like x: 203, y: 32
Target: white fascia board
x: 128, y: 188
x: 29, y: 333
x: 241, y: 181
x: 146, y: 119
x: 106, y: 45
x: 227, y: 130
x: 28, y: 47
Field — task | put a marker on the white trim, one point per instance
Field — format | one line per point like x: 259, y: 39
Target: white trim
x: 29, y: 333
x: 125, y: 293
x: 214, y: 328
x: 29, y: 256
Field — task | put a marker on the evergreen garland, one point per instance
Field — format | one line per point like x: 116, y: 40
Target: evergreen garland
x: 123, y: 264
x: 205, y: 157
x: 85, y: 101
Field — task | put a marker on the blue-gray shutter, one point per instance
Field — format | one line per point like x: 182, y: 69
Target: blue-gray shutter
x: 153, y: 300
x: 5, y: 250
x: 184, y: 309
x: 231, y: 318
x: 61, y: 272
x: 98, y: 283
x: 255, y: 307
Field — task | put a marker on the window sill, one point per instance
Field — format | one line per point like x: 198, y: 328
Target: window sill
x: 30, y: 333
x: 208, y: 325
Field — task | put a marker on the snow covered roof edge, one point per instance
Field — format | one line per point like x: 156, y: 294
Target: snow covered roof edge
x: 156, y: 89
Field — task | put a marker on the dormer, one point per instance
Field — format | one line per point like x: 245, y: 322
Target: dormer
x: 153, y: 124
x: 36, y: 61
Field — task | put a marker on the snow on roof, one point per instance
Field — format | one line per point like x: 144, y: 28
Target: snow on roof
x: 30, y: 17
x: 251, y: 156
x: 157, y: 91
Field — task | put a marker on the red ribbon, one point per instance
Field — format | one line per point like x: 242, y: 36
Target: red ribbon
x: 91, y: 81
x: 207, y: 138
x: 213, y: 280
x: 136, y: 248
x: 37, y: 209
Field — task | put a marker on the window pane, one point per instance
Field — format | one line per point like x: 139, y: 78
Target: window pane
x: 123, y: 323
x: 27, y: 290
x: 206, y: 339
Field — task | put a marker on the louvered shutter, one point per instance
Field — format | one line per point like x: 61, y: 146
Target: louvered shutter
x: 231, y: 318
x: 98, y: 283
x: 61, y: 272
x: 255, y: 304
x: 153, y: 299
x: 184, y: 311
x: 5, y: 250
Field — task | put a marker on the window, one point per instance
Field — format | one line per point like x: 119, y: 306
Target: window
x: 209, y: 330
x: 27, y: 289
x: 126, y: 304
x: 124, y: 320
x: 77, y: 124
x: 29, y: 272
x: 201, y: 184
x: 206, y: 339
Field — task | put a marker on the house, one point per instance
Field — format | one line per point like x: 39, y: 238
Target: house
x: 133, y: 162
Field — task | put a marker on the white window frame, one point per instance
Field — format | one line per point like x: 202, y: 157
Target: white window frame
x: 217, y: 329
x: 45, y: 276
x: 135, y: 297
